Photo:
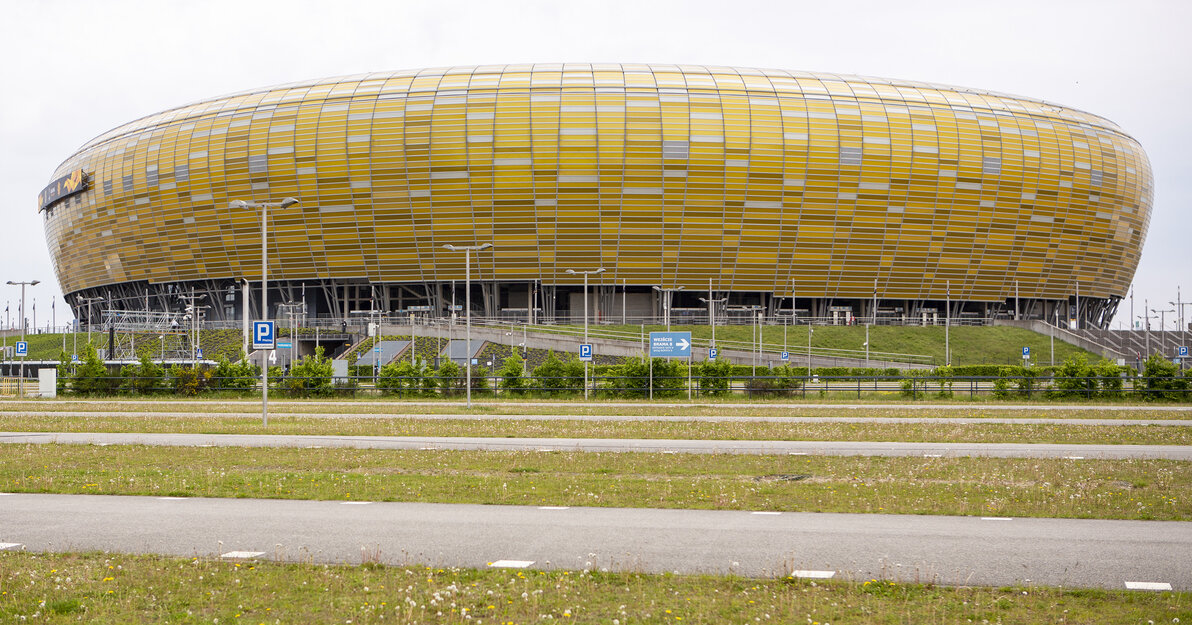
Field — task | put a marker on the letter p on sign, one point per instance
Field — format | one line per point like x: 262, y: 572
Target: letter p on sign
x: 262, y: 335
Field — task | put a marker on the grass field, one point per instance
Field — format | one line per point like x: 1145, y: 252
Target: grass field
x: 1109, y: 489
x: 1074, y: 433
x: 116, y: 589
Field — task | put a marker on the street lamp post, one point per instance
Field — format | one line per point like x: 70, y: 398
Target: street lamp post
x: 666, y: 302
x: 467, y: 250
x: 711, y: 302
x: 89, y: 301
x: 21, y: 379
x: 264, y: 206
x: 585, y: 275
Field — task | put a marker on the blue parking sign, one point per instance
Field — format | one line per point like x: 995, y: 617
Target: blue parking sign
x: 1026, y: 352
x: 786, y: 356
x: 22, y: 348
x: 585, y: 351
x: 262, y: 335
x: 712, y: 353
x: 1183, y: 351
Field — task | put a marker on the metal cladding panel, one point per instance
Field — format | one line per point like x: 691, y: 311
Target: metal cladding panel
x: 673, y: 175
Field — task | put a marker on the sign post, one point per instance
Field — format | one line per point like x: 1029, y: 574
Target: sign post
x: 670, y: 345
x: 264, y: 338
x: 1026, y: 356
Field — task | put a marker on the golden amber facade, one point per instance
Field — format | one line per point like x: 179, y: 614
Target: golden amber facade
x: 757, y: 180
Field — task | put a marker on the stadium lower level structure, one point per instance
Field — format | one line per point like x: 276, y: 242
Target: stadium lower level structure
x: 795, y: 195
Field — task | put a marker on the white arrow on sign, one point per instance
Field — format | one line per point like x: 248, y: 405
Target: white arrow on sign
x: 683, y: 344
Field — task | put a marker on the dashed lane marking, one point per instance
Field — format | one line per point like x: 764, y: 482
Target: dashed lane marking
x: 511, y: 564
x: 1073, y: 457
x: 355, y: 503
x: 6, y: 546
x: 996, y: 518
x: 933, y: 455
x: 554, y: 507
x: 169, y: 498
x: 765, y: 512
x: 814, y: 574
x: 242, y: 555
x: 1148, y: 586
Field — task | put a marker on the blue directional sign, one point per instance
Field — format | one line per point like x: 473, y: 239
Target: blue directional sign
x: 1026, y: 352
x: 74, y: 357
x: 786, y: 356
x: 22, y: 348
x: 670, y: 344
x: 712, y: 353
x: 284, y: 345
x: 199, y: 352
x: 585, y: 351
x: 262, y: 335
x: 1183, y: 351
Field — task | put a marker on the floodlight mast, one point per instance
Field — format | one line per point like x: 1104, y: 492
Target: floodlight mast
x: 467, y: 250
x: 21, y: 379
x: 264, y: 206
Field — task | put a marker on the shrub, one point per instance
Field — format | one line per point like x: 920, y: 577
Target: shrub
x: 404, y: 379
x: 1075, y: 378
x: 714, y: 377
x: 239, y: 376
x: 1161, y: 380
x: 145, y: 378
x: 555, y: 378
x: 451, y: 378
x: 185, y: 380
x: 513, y: 378
x: 1110, y: 376
x: 311, y: 377
x: 91, y: 376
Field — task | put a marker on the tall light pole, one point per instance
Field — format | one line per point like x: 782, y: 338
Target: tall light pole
x: 1162, y: 321
x: 264, y: 206
x: 711, y: 302
x: 467, y: 250
x: 89, y: 300
x: 666, y: 302
x: 21, y: 379
x: 585, y: 275
x: 948, y: 324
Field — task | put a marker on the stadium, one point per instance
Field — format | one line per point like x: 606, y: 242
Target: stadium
x: 818, y: 195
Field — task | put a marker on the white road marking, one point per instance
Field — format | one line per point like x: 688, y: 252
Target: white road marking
x: 242, y: 555
x: 933, y: 455
x: 511, y: 564
x: 4, y: 546
x: 6, y: 494
x: 996, y: 518
x: 766, y: 512
x: 668, y: 451
x: 554, y: 507
x: 1073, y: 457
x: 170, y: 498
x: 427, y: 448
x: 355, y: 503
x: 1148, y: 586
x: 797, y: 453
x: 814, y: 574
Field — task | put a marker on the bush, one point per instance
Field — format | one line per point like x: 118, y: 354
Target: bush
x: 513, y: 378
x: 555, y: 378
x: 311, y: 377
x: 239, y: 376
x: 1161, y: 380
x: 781, y: 381
x: 451, y: 378
x: 1110, y: 376
x: 91, y: 376
x: 186, y: 380
x: 405, y: 379
x: 943, y: 377
x: 145, y: 378
x: 1075, y: 378
x: 714, y: 377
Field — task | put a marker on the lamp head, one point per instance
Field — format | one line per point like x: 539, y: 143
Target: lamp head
x: 240, y: 204
x: 570, y: 271
x: 601, y: 270
x: 680, y: 288
x: 448, y: 246
x: 484, y: 247
x: 288, y: 202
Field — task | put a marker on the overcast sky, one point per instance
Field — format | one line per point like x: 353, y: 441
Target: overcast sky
x: 72, y: 70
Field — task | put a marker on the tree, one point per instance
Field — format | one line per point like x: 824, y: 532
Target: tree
x: 555, y: 378
x: 91, y: 377
x: 310, y: 377
x: 451, y: 378
x: 403, y: 379
x: 513, y: 379
x: 714, y: 377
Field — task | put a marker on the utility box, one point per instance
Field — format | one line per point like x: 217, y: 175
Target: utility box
x: 339, y: 370
x: 47, y: 382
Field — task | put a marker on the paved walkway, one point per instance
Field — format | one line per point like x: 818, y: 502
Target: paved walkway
x: 942, y: 550
x: 827, y: 448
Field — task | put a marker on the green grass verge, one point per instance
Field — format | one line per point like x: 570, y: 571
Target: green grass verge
x: 110, y: 588
x: 1110, y: 489
x: 562, y: 428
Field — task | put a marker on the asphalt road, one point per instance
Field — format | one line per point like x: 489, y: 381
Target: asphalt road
x: 561, y: 416
x: 943, y: 550
x: 826, y: 448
